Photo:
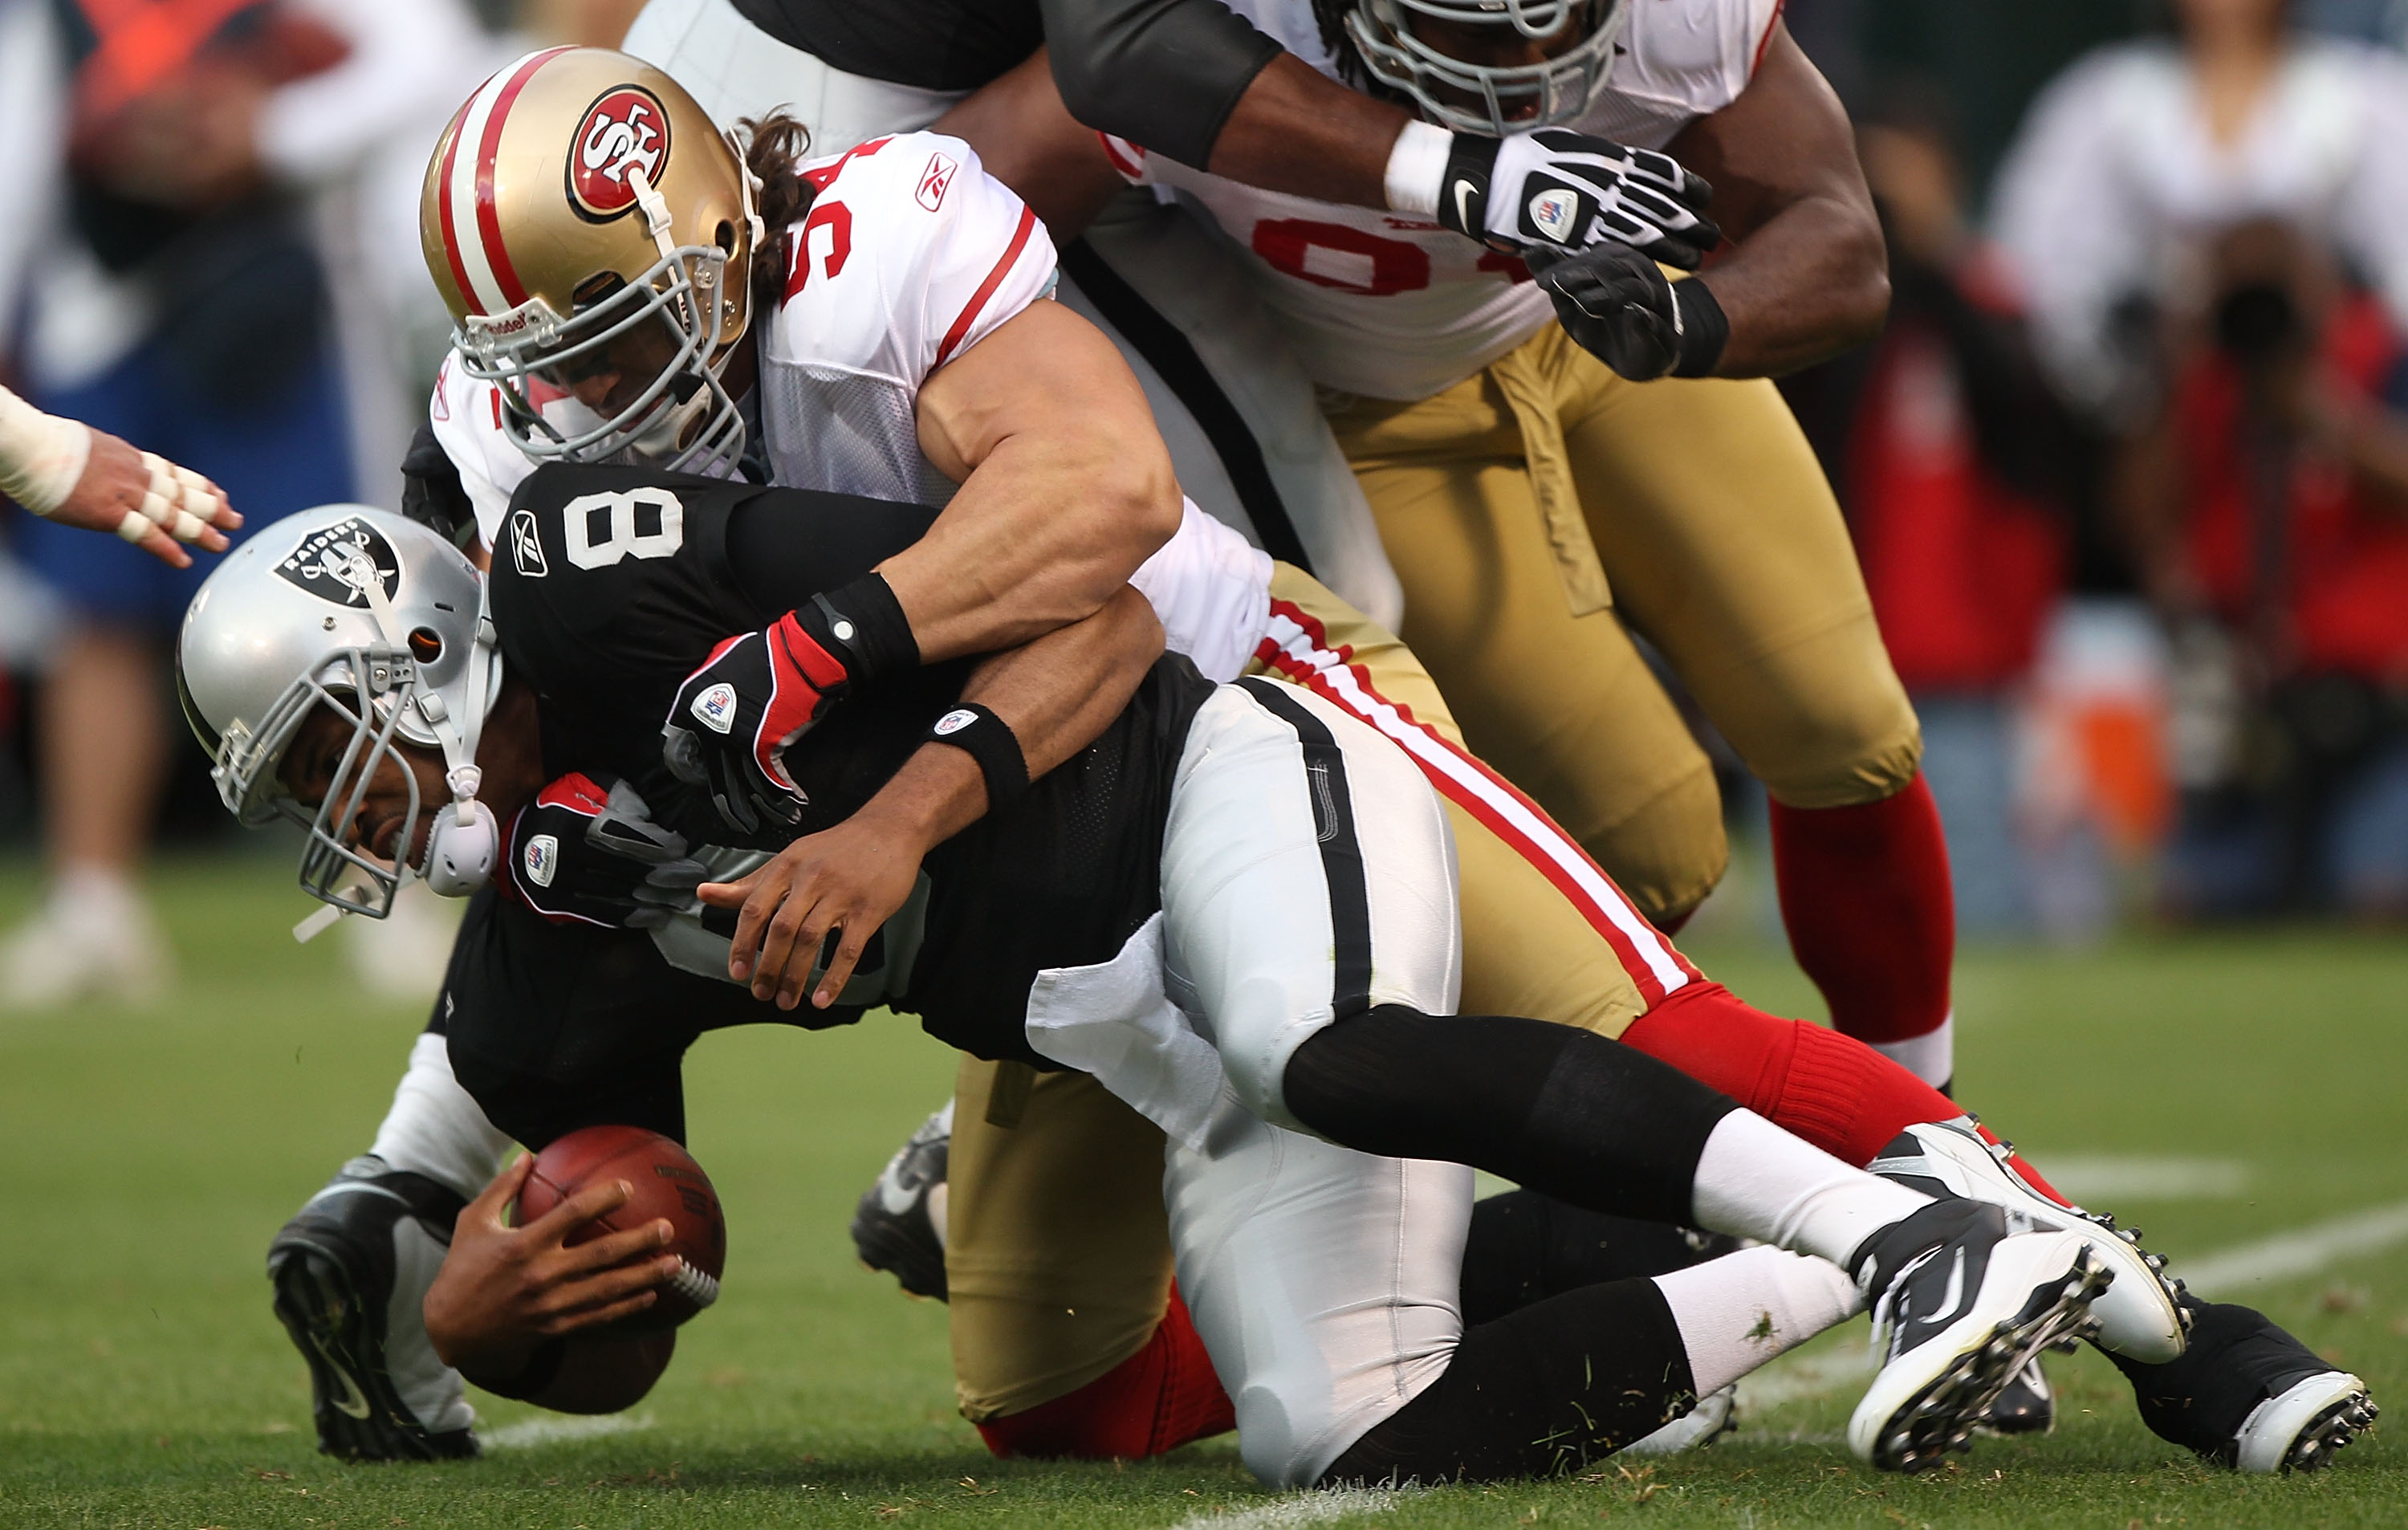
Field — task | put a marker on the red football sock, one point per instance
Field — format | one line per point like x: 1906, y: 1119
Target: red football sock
x: 1866, y: 897
x: 1157, y: 1400
x: 1838, y: 1093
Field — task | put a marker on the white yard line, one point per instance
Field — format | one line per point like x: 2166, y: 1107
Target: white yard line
x: 2303, y: 1252
x: 526, y: 1432
x: 1305, y: 1509
x: 2106, y: 1178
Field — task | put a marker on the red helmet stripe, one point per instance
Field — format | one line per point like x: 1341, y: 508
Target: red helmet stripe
x: 489, y: 223
x: 451, y: 234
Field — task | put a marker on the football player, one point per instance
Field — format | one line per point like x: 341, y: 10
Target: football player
x: 1038, y: 850
x: 65, y: 471
x: 841, y: 402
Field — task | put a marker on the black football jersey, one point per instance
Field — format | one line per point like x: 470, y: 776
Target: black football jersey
x: 610, y: 585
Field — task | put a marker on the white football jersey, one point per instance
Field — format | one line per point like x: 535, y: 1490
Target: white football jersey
x: 1393, y: 306
x: 910, y: 255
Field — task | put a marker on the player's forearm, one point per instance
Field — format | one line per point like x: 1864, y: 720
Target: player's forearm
x: 1297, y: 131
x: 1812, y: 281
x: 1055, y: 694
x: 1028, y: 141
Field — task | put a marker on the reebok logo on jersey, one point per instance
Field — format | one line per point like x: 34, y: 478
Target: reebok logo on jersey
x: 542, y: 859
x: 954, y: 721
x: 715, y: 709
x: 934, y: 179
x: 1552, y: 213
x: 527, y: 546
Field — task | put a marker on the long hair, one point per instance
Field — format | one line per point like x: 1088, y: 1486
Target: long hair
x: 774, y: 145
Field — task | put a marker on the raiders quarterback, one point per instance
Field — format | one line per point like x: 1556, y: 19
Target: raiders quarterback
x: 1097, y: 832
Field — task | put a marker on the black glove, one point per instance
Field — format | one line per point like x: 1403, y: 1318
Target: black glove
x: 585, y: 853
x: 734, y: 718
x: 1618, y: 307
x: 1555, y: 189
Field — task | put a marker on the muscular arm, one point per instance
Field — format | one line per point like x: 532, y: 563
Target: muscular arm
x: 1809, y: 276
x: 1055, y: 694
x: 1028, y: 141
x: 1066, y: 487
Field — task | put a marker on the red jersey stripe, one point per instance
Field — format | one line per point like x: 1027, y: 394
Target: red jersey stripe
x: 954, y: 336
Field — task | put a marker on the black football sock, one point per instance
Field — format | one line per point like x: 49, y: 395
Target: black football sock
x: 1524, y: 1246
x: 1562, y: 1111
x: 1551, y: 1388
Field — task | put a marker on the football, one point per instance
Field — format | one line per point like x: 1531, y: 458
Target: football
x: 667, y: 1183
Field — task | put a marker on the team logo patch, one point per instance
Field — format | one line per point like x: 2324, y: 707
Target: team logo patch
x: 934, y: 179
x: 333, y: 562
x: 526, y: 545
x: 626, y: 130
x: 1552, y: 213
x: 542, y: 859
x: 954, y: 721
x: 715, y: 709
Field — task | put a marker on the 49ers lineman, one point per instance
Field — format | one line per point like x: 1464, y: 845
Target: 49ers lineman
x: 599, y: 241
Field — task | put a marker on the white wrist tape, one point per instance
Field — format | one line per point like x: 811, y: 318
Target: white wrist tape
x: 1416, y: 165
x: 41, y: 455
x: 179, y: 502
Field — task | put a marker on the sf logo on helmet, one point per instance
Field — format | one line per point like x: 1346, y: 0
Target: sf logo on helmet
x: 626, y: 130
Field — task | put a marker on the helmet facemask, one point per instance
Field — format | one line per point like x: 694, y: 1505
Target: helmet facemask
x: 672, y: 324
x: 1502, y: 98
x: 249, y: 774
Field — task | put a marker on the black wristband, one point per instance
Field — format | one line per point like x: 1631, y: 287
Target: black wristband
x: 1462, y: 194
x: 863, y: 624
x: 988, y: 739
x: 1705, y: 329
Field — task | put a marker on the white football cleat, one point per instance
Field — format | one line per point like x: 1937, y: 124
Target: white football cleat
x: 1715, y: 1415
x: 2137, y: 1317
x: 1960, y: 1305
x: 93, y: 940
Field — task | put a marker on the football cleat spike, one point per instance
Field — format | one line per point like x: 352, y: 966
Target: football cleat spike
x: 898, y: 1226
x: 2027, y: 1406
x: 351, y: 1271
x: 2250, y: 1396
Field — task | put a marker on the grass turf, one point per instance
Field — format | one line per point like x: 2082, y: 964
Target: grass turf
x: 151, y: 1155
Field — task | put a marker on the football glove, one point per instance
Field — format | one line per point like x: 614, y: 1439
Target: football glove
x: 1555, y: 189
x: 1619, y: 307
x: 734, y: 718
x: 586, y: 852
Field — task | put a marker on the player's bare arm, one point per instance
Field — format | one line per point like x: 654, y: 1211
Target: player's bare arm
x: 1055, y: 694
x: 1809, y: 276
x: 1066, y: 487
x: 504, y: 1292
x: 1027, y: 140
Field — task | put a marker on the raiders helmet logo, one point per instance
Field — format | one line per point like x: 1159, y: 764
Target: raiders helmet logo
x: 333, y: 562
x: 626, y: 130
x: 715, y: 709
x: 542, y: 859
x: 1552, y: 213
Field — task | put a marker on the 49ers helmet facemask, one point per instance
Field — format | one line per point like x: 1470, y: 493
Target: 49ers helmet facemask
x: 377, y: 620
x: 1471, y: 97
x: 589, y: 224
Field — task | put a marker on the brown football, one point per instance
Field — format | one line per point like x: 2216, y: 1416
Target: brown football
x: 667, y: 1184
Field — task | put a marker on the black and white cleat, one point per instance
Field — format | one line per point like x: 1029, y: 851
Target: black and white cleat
x: 2250, y: 1396
x: 2027, y: 1407
x: 898, y: 1226
x: 1961, y: 1305
x: 2138, y: 1317
x: 350, y: 1272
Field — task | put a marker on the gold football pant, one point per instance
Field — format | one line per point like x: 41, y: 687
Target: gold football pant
x: 1057, y: 1252
x: 1542, y: 511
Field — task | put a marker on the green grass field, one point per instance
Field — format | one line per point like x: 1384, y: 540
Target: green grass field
x: 2239, y: 1087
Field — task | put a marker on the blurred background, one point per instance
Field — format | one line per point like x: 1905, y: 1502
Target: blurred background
x: 2128, y: 470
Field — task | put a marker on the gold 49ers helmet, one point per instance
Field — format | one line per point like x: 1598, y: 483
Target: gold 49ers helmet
x: 592, y: 231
